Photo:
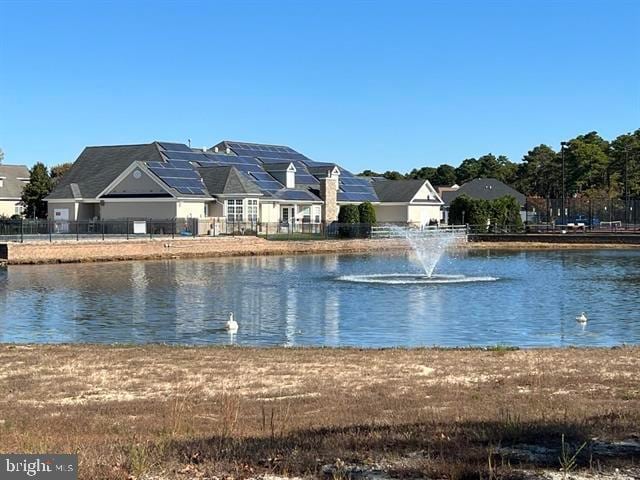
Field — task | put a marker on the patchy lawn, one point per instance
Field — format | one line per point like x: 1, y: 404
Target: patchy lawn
x: 189, y: 412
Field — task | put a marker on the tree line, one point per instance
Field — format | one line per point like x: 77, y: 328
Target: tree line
x: 593, y: 166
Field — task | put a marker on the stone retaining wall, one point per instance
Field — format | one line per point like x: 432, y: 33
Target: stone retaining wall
x: 93, y: 251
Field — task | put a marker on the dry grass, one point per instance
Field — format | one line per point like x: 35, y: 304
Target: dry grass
x: 179, y: 412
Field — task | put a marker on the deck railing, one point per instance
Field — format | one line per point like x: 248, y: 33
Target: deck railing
x: 402, y: 231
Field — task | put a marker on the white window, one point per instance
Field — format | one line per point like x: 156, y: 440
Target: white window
x: 1, y: 182
x: 234, y: 210
x: 19, y: 209
x: 252, y: 210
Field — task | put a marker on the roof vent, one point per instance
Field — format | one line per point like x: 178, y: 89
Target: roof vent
x: 215, y: 149
x: 227, y: 150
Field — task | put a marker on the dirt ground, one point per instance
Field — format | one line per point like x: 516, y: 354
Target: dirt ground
x: 195, y: 412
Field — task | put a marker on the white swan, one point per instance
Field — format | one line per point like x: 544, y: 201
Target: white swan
x: 231, y: 324
x: 582, y: 318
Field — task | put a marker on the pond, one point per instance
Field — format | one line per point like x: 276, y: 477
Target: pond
x: 532, y: 299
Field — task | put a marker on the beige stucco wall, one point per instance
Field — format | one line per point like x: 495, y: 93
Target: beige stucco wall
x: 8, y: 207
x: 137, y: 209
x: 391, y: 213
x: 144, y: 184
x: 190, y: 209
x: 421, y: 214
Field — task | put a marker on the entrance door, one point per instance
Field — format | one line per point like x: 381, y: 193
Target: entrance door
x: 287, y: 215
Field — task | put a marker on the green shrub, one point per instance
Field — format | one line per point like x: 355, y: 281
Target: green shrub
x: 503, y: 211
x: 349, y: 214
x: 367, y: 213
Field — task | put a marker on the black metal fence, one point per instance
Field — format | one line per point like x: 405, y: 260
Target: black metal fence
x: 594, y: 213
x: 30, y: 230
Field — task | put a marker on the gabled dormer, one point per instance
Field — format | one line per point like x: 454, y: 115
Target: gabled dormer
x: 324, y: 171
x: 284, y: 172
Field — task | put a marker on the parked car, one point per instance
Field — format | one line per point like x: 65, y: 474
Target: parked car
x: 589, y: 222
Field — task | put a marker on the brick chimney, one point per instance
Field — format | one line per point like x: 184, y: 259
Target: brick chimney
x: 329, y: 194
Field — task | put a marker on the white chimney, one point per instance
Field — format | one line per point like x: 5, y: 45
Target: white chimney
x: 227, y: 151
x: 215, y: 149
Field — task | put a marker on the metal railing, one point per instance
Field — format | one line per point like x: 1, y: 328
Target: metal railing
x: 401, y: 231
x: 24, y: 230
x: 32, y: 230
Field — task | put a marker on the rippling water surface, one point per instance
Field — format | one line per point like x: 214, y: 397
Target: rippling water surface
x: 305, y: 301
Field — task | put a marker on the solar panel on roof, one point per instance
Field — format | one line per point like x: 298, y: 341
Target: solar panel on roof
x: 248, y: 168
x: 269, y: 185
x: 233, y: 159
x: 358, y: 189
x: 175, y: 173
x: 180, y: 164
x: 272, y: 160
x: 261, y: 176
x: 281, y: 155
x: 295, y: 195
x: 259, y: 148
x: 306, y: 179
x: 193, y: 156
x: 183, y: 182
x: 353, y: 181
x: 177, y: 147
x: 357, y: 197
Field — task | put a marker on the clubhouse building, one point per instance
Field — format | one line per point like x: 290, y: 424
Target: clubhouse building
x: 231, y: 182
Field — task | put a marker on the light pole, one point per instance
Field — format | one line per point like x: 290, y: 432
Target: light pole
x: 626, y: 186
x: 562, y: 145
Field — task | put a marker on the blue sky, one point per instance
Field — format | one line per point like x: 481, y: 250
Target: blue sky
x: 380, y: 85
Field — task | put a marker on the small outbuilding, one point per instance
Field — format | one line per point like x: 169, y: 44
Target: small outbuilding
x: 480, y: 189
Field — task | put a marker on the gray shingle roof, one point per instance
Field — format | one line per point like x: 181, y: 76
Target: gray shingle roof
x: 227, y: 180
x: 254, y: 172
x: 484, y: 189
x: 97, y: 167
x: 397, y: 190
x: 276, y: 167
x: 11, y: 186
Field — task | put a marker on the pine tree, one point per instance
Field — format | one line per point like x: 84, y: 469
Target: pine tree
x: 36, y: 190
